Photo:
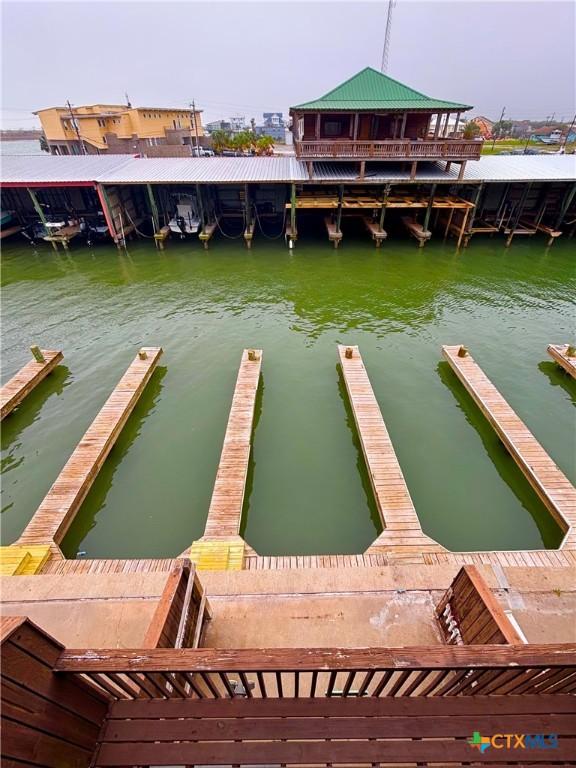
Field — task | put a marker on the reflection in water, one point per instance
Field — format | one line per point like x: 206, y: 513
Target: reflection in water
x: 26, y: 414
x: 251, y: 460
x: 95, y: 501
x: 558, y: 377
x: 360, y: 461
x: 501, y: 459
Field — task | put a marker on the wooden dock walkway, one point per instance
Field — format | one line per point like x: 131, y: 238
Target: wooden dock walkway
x: 552, y: 486
x: 402, y: 536
x: 56, y: 512
x: 27, y: 378
x: 225, y: 512
x: 559, y: 353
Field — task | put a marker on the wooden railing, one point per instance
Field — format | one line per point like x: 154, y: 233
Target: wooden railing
x: 470, y: 614
x: 442, y: 149
x: 321, y: 672
x: 181, y: 612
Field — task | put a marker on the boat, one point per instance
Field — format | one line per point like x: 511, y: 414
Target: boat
x: 186, y: 220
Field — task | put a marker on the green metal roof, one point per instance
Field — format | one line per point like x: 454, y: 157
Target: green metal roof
x: 370, y: 89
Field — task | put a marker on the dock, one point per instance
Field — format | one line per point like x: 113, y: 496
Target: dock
x: 334, y: 234
x: 249, y: 234
x: 416, y: 230
x: 551, y: 485
x: 206, y: 235
x: 161, y: 236
x: 560, y: 354
x: 378, y: 234
x: 64, y: 235
x: 402, y: 537
x: 62, y: 502
x: 221, y: 545
x: 27, y: 378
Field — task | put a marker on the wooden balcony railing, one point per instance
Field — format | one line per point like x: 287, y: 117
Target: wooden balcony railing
x: 401, y: 149
x: 469, y: 614
x: 321, y: 672
x: 171, y: 706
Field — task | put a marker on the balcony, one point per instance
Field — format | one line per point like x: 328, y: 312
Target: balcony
x: 392, y: 149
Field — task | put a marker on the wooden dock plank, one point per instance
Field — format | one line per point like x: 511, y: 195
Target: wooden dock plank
x: 559, y: 353
x: 403, y: 534
x: 225, y: 512
x: 27, y: 378
x: 56, y: 512
x: 552, y: 486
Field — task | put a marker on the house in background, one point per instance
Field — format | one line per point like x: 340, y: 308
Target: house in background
x: 373, y: 117
x: 120, y: 129
x: 273, y: 125
x: 485, y: 125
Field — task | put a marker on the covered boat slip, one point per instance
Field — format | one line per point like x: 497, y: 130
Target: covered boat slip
x: 261, y: 197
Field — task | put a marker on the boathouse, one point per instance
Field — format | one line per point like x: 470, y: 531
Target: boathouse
x: 374, y: 117
x: 274, y: 197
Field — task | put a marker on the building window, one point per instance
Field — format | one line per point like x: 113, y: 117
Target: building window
x: 332, y: 128
x: 104, y: 139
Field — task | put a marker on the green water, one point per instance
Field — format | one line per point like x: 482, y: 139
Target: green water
x: 308, y: 490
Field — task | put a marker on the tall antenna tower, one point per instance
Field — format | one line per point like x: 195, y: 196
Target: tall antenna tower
x: 386, y: 49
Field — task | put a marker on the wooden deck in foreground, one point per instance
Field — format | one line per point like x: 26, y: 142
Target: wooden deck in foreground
x: 402, y: 537
x: 56, y: 512
x: 225, y: 512
x: 27, y: 378
x: 559, y: 353
x: 552, y: 486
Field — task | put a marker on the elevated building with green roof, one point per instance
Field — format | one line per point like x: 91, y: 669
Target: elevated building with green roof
x: 373, y: 117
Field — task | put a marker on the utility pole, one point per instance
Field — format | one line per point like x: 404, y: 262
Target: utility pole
x: 500, y: 125
x: 75, y: 126
x: 386, y: 49
x: 193, y: 119
x: 563, y: 145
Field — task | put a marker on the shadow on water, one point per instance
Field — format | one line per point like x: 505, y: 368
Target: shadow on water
x: 251, y: 461
x: 502, y: 460
x: 360, y: 462
x: 86, y: 519
x: 29, y: 412
x: 559, y: 378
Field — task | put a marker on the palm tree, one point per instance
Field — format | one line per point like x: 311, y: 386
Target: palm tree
x: 220, y: 141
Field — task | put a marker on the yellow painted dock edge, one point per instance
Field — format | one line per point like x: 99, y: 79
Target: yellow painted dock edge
x: 23, y: 561
x: 220, y: 555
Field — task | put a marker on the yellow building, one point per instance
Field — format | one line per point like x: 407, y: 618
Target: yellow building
x: 120, y: 129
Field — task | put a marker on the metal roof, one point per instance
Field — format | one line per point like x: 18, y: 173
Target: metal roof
x: 124, y: 169
x: 43, y: 169
x: 206, y: 170
x: 490, y: 168
x: 370, y: 89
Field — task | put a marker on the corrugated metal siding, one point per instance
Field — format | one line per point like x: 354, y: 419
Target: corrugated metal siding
x: 490, y: 168
x: 43, y: 169
x: 207, y: 170
x: 121, y: 169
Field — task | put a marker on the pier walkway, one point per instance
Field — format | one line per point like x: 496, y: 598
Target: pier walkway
x: 402, y: 537
x: 552, y: 486
x: 27, y: 378
x: 221, y: 545
x: 559, y: 353
x: 56, y: 512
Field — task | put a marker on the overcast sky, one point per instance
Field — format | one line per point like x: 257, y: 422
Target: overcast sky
x: 239, y: 58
